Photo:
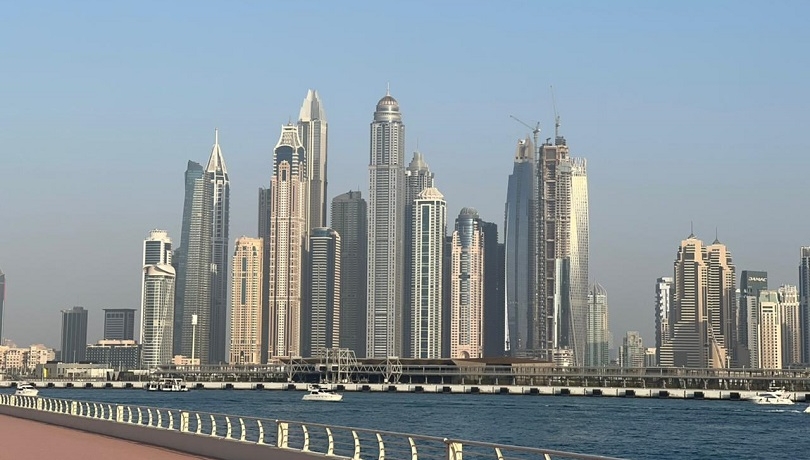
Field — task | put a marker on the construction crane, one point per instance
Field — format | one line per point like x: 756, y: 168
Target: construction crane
x: 535, y: 130
x: 556, y: 116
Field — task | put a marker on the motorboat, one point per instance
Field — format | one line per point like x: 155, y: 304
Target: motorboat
x: 26, y: 389
x: 321, y: 393
x: 167, y: 384
x: 774, y: 396
x: 807, y: 410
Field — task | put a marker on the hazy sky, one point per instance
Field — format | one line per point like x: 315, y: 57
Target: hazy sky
x: 686, y: 111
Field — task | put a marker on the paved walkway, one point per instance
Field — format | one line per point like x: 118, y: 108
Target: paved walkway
x: 22, y: 439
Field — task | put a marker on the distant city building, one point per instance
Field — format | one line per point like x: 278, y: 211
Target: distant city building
x: 157, y: 301
x: 429, y: 229
x: 386, y: 232
x: 322, y: 320
x: 313, y: 131
x: 74, y: 334
x: 467, y: 287
x: 650, y: 357
x: 663, y: 305
x: 597, y: 353
x: 632, y: 353
x: 751, y: 284
x: 520, y: 251
x: 2, y: 301
x: 579, y: 253
x: 350, y: 221
x: 804, y: 301
x: 721, y: 306
x: 194, y: 277
x: 791, y: 325
x: 289, y: 206
x: 117, y: 354
x: 15, y: 360
x: 217, y: 175
x: 265, y: 203
x: 119, y: 324
x: 494, y: 293
x: 769, y: 331
x: 246, y: 302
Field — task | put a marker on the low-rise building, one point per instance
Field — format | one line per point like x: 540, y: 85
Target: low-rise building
x: 117, y: 354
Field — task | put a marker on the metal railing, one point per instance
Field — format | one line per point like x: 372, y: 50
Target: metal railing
x: 329, y: 440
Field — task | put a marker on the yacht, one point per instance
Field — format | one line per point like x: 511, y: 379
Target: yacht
x: 26, y: 389
x: 167, y: 384
x: 774, y: 396
x: 319, y: 393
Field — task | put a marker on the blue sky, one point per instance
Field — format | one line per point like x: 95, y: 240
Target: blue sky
x: 686, y: 111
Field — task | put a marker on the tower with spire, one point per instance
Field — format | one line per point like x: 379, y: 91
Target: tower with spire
x: 313, y: 131
x: 217, y: 175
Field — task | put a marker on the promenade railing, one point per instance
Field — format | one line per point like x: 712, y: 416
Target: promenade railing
x: 316, y: 438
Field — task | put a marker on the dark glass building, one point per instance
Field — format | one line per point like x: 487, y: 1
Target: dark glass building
x: 494, y: 299
x: 74, y: 335
x: 119, y: 323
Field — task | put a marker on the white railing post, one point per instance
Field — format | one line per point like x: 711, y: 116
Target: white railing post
x: 140, y: 416
x: 129, y: 414
x: 242, y: 435
x: 171, y: 420
x: 119, y: 414
x: 281, y: 439
x: 261, y: 432
x: 149, y: 411
x: 74, y: 408
x: 356, y: 446
x: 380, y: 447
x: 227, y: 427
x: 159, y: 419
x: 199, y: 423
x: 414, y: 454
x: 306, y: 438
x: 39, y: 403
x: 454, y: 450
x: 184, y: 422
x: 213, y: 426
x: 330, y: 450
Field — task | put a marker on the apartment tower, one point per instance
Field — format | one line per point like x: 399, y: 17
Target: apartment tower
x: 74, y: 335
x: 217, y: 175
x: 663, y: 306
x: 467, y: 287
x: 313, y: 132
x: 246, y: 302
x: 494, y: 319
x: 322, y: 321
x: 804, y: 300
x: 157, y: 301
x: 597, y: 352
x: 791, y: 324
x: 751, y: 284
x: 769, y: 331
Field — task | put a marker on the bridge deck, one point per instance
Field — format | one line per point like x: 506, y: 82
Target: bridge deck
x: 28, y: 440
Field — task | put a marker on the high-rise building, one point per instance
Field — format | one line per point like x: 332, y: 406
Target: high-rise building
x: 119, y: 324
x: 467, y: 286
x: 632, y: 354
x: 386, y: 231
x: 350, y: 221
x: 74, y: 335
x: 751, y: 284
x: 322, y: 320
x: 580, y: 242
x: 494, y: 295
x: 769, y: 331
x: 288, y: 241
x: 265, y: 202
x: 194, y: 273
x: 804, y: 300
x: 313, y: 132
x: 246, y: 302
x: 2, y: 301
x: 721, y: 308
x: 520, y: 248
x: 597, y: 353
x: 791, y: 324
x: 429, y: 229
x: 217, y: 174
x: 663, y: 306
x: 157, y: 301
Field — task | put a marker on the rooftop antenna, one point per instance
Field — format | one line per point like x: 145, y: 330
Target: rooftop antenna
x: 388, y: 88
x: 691, y: 229
x: 216, y: 136
x: 556, y: 116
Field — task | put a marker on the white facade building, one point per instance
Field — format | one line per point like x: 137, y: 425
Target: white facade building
x: 467, y: 287
x: 157, y: 301
x: 769, y: 332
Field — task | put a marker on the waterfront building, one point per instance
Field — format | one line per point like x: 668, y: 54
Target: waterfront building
x: 791, y: 324
x: 217, y: 175
x: 386, y: 231
x: 663, y: 305
x: 193, y: 293
x: 580, y: 243
x: 769, y: 331
x: 721, y: 309
x: 288, y: 240
x: 117, y: 354
x: 313, y: 132
x: 520, y: 251
x: 804, y: 300
x: 119, y: 324
x: 2, y: 301
x: 467, y: 287
x: 246, y: 302
x: 321, y: 329
x: 265, y: 202
x: 157, y: 300
x: 24, y: 360
x: 429, y: 229
x: 751, y: 284
x: 632, y: 353
x: 349, y: 219
x: 494, y: 295
x: 74, y: 335
x: 597, y: 352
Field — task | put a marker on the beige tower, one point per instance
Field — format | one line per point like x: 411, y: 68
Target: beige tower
x: 791, y: 324
x: 467, y: 286
x: 246, y: 302
x: 769, y: 331
x: 721, y: 302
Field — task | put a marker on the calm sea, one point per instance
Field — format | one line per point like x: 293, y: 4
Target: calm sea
x: 633, y: 428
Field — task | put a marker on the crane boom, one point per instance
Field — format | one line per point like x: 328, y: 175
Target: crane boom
x: 535, y: 130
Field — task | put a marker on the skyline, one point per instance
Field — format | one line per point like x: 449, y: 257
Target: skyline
x: 693, y: 134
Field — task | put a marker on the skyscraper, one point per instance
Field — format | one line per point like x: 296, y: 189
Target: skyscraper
x: 2, y: 301
x: 288, y: 233
x: 519, y: 229
x: 428, y: 230
x: 119, y: 324
x: 721, y: 308
x: 74, y: 334
x: 157, y: 300
x: 663, y: 306
x: 217, y: 174
x: 791, y: 324
x: 632, y: 352
x: 467, y: 286
x: 350, y: 221
x: 580, y: 243
x: 597, y: 353
x: 194, y: 267
x: 769, y: 332
x: 322, y: 321
x: 804, y: 300
x: 751, y: 284
x: 386, y: 231
x: 494, y: 295
x: 313, y: 131
x: 265, y: 203
x: 246, y: 302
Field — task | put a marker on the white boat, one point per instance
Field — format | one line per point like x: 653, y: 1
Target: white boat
x: 319, y: 393
x: 26, y: 389
x: 807, y: 410
x: 774, y: 396
x: 167, y: 384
